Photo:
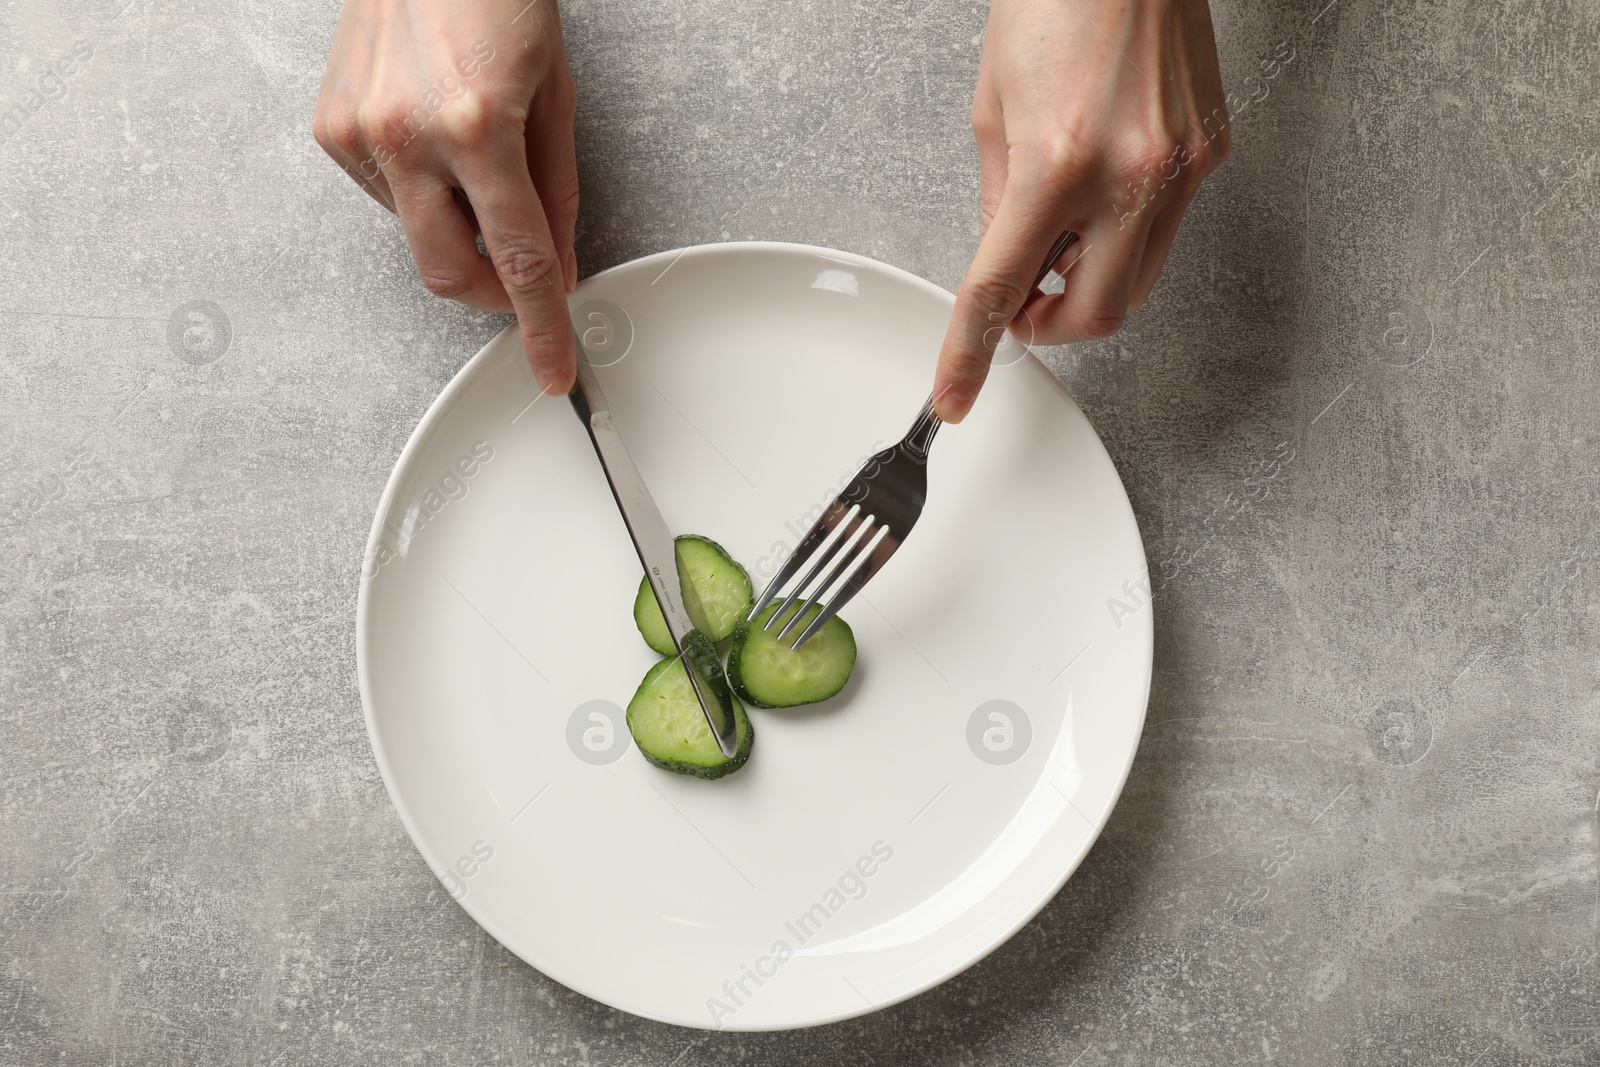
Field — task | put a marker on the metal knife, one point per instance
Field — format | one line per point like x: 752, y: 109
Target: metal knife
x: 680, y: 605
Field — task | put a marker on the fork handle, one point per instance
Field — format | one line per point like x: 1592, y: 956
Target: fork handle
x: 1064, y: 242
x: 919, y: 438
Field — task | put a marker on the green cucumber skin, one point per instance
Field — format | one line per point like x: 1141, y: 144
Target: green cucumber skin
x: 735, y: 671
x: 744, y: 729
x: 647, y: 613
x: 651, y: 623
x: 735, y: 678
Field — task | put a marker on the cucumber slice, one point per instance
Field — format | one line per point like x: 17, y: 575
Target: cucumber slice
x: 722, y: 585
x: 768, y: 674
x: 670, y: 729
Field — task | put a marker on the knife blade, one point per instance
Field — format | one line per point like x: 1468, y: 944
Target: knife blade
x: 675, y: 594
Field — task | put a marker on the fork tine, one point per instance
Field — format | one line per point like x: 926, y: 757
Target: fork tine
x: 832, y: 517
x: 853, y: 528
x: 872, y: 561
x: 851, y: 553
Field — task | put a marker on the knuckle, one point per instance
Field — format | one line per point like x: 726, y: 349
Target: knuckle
x: 986, y: 121
x: 1145, y: 158
x: 996, y: 298
x: 319, y: 133
x: 1217, y: 151
x: 444, y: 282
x: 1065, y: 159
x: 539, y: 340
x: 1098, y: 321
x: 1200, y: 154
x: 527, y: 269
x: 468, y: 120
x: 1217, y: 132
x: 392, y: 124
x: 336, y: 131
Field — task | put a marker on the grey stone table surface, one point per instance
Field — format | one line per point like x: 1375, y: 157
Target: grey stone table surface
x: 1358, y: 422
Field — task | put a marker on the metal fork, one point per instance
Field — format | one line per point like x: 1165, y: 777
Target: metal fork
x: 864, y: 525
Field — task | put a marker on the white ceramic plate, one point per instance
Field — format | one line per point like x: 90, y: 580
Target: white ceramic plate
x: 876, y: 844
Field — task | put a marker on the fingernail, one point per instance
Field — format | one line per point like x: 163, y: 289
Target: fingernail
x: 551, y: 380
x: 569, y: 267
x: 952, y: 404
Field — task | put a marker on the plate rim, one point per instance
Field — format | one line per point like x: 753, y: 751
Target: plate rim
x: 425, y: 428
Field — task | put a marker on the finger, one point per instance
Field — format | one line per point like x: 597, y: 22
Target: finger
x: 988, y: 130
x: 1100, y: 285
x: 443, y: 244
x: 1042, y: 305
x: 366, y: 173
x: 339, y: 134
x: 377, y: 188
x: 517, y: 236
x: 337, y: 127
x: 553, y: 163
x: 1157, y: 246
x: 999, y: 282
